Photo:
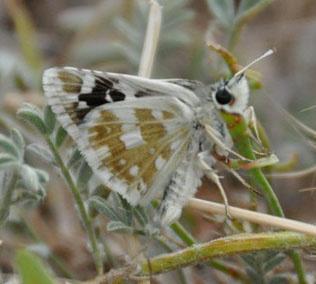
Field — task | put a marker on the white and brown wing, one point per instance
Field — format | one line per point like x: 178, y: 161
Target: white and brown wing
x: 133, y: 132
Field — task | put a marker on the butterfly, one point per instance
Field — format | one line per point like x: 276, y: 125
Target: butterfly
x: 146, y: 138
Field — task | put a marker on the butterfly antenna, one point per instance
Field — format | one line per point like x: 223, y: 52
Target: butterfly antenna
x: 266, y: 54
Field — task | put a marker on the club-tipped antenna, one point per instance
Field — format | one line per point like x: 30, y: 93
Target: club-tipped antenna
x: 266, y: 54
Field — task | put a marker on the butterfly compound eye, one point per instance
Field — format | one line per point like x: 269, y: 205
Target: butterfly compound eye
x: 223, y: 96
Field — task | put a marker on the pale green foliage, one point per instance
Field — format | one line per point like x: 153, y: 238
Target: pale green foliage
x: 20, y: 182
x: 223, y: 10
x: 233, y: 18
x: 261, y: 264
x: 124, y: 218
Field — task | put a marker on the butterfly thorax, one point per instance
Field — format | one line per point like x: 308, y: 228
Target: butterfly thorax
x: 207, y: 114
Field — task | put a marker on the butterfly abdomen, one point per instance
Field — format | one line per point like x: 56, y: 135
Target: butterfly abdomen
x: 182, y: 186
x: 183, y: 183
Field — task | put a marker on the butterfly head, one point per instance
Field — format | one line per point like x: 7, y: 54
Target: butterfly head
x: 232, y: 95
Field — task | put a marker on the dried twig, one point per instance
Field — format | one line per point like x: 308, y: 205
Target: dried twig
x: 252, y: 216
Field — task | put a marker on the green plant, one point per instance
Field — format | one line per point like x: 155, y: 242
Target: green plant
x: 20, y: 182
x: 104, y: 214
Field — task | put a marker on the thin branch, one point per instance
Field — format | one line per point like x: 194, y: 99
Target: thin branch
x: 294, y: 174
x: 151, y: 40
x: 235, y: 244
x: 226, y: 268
x: 80, y: 205
x: 252, y: 216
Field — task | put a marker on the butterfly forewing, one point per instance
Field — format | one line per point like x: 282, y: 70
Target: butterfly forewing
x: 132, y: 142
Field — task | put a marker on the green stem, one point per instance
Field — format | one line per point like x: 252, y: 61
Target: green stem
x: 108, y: 253
x: 165, y: 245
x: 80, y: 205
x: 238, y: 129
x: 187, y: 238
x: 183, y: 234
x: 236, y: 244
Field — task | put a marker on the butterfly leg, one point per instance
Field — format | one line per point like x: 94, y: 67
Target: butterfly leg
x: 236, y: 164
x: 205, y: 162
x: 251, y: 119
x: 241, y: 162
x: 239, y: 178
x: 219, y: 145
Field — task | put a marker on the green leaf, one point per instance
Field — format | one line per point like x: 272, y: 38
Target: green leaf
x: 42, y: 176
x: 250, y: 259
x: 8, y: 146
x: 273, y: 262
x: 7, y: 160
x: 61, y: 135
x: 254, y: 276
x: 102, y: 207
x: 279, y: 280
x: 4, y: 214
x: 84, y: 175
x: 18, y: 140
x: 122, y: 208
x: 118, y: 226
x: 7, y: 183
x: 128, y: 210
x: 74, y: 159
x: 141, y: 215
x: 30, y: 178
x: 31, y: 270
x: 29, y: 198
x: 40, y: 151
x: 50, y: 119
x: 223, y: 10
x: 32, y: 115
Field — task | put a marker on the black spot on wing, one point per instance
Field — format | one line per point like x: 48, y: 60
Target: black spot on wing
x: 116, y: 95
x: 146, y: 93
x: 103, y: 83
x: 114, y: 80
x: 103, y: 92
x: 77, y: 114
x: 141, y: 94
x: 81, y: 113
x: 94, y: 98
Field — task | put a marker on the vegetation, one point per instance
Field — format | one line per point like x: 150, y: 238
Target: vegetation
x: 35, y: 150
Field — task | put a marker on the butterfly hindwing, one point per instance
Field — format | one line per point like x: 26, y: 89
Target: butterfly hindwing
x: 132, y: 142
x: 138, y: 144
